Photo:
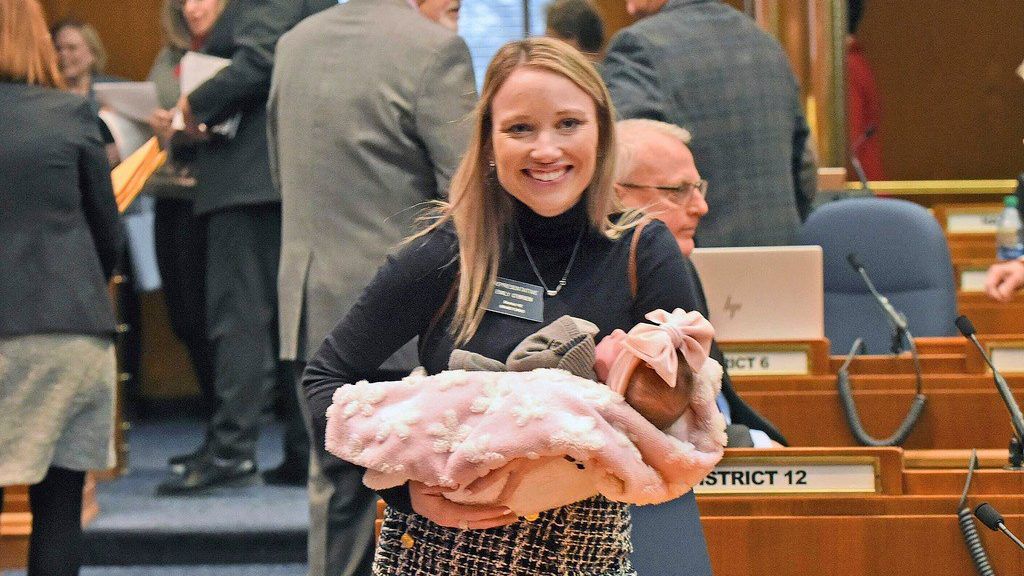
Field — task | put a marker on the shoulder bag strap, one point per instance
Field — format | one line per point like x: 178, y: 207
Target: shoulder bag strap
x: 633, y: 281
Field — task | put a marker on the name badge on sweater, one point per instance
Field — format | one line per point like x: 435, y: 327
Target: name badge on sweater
x: 518, y: 299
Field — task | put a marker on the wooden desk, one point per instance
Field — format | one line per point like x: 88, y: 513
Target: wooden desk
x: 15, y: 527
x: 964, y: 219
x: 964, y: 409
x: 911, y: 531
x: 991, y: 317
x: 971, y: 245
x: 908, y: 527
x: 933, y: 193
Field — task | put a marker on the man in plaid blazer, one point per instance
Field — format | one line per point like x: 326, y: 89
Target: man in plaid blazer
x: 704, y: 66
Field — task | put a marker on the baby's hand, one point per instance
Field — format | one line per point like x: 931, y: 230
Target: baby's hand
x: 655, y: 400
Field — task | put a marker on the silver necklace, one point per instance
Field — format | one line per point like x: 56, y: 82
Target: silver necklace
x: 572, y: 258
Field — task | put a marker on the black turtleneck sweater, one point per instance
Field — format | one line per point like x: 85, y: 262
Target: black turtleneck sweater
x: 407, y: 292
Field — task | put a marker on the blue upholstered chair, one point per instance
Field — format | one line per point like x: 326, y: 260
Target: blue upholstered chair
x: 904, y: 252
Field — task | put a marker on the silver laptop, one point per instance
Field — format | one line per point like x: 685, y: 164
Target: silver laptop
x: 764, y: 293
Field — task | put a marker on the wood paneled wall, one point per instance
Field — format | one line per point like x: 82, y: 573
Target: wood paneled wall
x: 946, y: 70
x: 954, y: 108
x: 130, y: 30
x: 614, y: 14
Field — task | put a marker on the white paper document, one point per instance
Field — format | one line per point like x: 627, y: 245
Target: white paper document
x: 134, y: 100
x: 129, y: 134
x: 197, y: 68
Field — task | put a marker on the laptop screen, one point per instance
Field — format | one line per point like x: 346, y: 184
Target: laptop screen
x: 763, y: 292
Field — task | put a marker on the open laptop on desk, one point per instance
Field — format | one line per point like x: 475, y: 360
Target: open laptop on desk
x: 764, y: 293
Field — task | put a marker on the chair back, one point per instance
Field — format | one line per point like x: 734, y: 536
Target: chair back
x: 905, y: 253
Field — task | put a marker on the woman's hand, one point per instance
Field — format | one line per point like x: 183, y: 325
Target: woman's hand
x: 428, y: 502
x: 1003, y: 279
x: 160, y: 122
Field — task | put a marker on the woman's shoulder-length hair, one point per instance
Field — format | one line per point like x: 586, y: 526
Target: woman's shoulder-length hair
x: 91, y: 37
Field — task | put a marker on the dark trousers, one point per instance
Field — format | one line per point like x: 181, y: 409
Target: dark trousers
x: 181, y: 255
x: 243, y: 247
x: 668, y: 539
x: 341, y: 509
x: 296, y: 433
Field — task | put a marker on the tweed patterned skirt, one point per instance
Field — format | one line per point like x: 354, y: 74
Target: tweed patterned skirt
x: 588, y: 538
x: 57, y: 394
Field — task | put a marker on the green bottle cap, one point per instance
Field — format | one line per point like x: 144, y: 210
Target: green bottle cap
x: 1010, y: 201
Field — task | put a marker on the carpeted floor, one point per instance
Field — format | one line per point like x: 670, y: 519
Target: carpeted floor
x: 256, y: 529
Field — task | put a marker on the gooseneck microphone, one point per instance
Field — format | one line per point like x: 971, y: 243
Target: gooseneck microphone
x: 898, y: 321
x: 964, y: 325
x: 855, y: 159
x: 991, y: 517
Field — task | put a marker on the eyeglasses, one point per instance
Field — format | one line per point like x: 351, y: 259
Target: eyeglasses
x: 680, y: 193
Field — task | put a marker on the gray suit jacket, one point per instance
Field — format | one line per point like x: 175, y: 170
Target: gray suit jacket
x: 60, y: 235
x: 368, y: 118
x: 705, y: 66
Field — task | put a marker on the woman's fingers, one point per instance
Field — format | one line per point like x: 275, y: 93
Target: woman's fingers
x: 428, y: 502
x: 485, y: 524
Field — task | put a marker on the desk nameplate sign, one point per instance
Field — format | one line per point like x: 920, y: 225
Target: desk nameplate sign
x: 972, y: 220
x: 794, y: 475
x: 973, y: 279
x: 766, y: 362
x: 1008, y: 357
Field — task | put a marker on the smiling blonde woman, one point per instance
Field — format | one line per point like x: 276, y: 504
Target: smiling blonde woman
x: 532, y: 206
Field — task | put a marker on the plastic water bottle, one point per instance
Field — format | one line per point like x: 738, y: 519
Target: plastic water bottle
x: 1008, y: 241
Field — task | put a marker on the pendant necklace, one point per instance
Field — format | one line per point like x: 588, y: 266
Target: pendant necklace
x: 572, y: 258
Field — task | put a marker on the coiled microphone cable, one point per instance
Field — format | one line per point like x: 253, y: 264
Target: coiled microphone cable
x: 850, y: 406
x: 967, y: 527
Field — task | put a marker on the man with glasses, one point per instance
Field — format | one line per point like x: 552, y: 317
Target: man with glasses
x: 656, y: 172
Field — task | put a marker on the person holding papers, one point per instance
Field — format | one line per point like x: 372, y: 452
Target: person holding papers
x: 82, y: 60
x: 241, y: 209
x: 60, y: 238
x: 180, y: 236
x: 80, y: 56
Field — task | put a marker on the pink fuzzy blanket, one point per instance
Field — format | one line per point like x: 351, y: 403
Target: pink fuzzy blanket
x: 527, y: 440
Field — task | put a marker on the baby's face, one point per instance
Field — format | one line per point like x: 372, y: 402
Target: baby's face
x: 655, y: 400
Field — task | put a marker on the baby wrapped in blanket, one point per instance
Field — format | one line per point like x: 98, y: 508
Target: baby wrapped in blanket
x: 536, y: 438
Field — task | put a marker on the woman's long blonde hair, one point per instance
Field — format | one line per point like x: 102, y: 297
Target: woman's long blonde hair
x: 26, y: 52
x: 482, y: 211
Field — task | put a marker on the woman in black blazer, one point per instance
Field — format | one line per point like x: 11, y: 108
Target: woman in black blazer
x: 59, y: 239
